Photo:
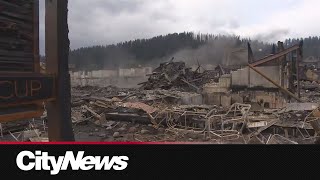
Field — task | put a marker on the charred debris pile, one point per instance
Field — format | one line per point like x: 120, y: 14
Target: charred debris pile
x: 171, y: 106
x: 175, y: 75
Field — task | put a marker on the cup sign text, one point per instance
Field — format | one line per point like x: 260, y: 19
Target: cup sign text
x: 23, y: 89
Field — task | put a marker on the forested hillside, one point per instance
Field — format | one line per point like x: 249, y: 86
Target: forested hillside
x: 206, y: 48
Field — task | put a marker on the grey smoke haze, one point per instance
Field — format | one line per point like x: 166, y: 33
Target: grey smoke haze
x: 100, y: 22
x: 213, y: 53
x: 272, y: 36
x: 121, y: 58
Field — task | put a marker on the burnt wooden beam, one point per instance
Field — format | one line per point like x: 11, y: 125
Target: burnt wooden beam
x: 275, y: 56
x: 57, y: 52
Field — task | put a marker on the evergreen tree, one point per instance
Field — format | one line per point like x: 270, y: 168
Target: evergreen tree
x: 146, y: 51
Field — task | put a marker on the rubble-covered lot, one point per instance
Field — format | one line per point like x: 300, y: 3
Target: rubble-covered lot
x: 159, y: 116
x: 170, y: 107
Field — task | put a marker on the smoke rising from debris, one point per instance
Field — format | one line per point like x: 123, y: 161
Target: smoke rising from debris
x: 214, y: 52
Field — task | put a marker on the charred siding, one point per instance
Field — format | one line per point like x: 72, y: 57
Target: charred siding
x: 17, y: 35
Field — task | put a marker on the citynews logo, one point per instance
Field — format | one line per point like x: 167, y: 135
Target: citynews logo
x: 42, y: 161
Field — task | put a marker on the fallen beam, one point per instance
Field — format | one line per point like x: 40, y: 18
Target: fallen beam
x: 274, y: 83
x: 101, y: 117
x: 275, y: 56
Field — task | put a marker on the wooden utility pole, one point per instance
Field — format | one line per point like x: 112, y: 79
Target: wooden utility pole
x: 57, y: 52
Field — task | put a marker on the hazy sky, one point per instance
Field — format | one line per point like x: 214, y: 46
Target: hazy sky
x: 100, y: 22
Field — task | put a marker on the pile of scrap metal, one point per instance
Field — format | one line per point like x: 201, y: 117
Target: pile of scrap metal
x: 236, y: 124
x: 176, y: 75
x: 123, y: 104
x: 289, y: 121
x: 240, y: 123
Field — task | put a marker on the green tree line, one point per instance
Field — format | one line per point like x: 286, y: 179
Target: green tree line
x: 148, y: 51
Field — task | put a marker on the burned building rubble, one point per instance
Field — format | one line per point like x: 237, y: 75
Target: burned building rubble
x: 177, y: 75
x: 261, y: 101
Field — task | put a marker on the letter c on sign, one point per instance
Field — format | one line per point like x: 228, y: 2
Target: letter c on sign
x: 19, y: 160
x: 11, y: 95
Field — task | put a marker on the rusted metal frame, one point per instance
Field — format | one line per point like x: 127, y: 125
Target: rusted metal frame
x: 274, y: 83
x: 57, y: 52
x: 276, y: 56
x: 36, y: 36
